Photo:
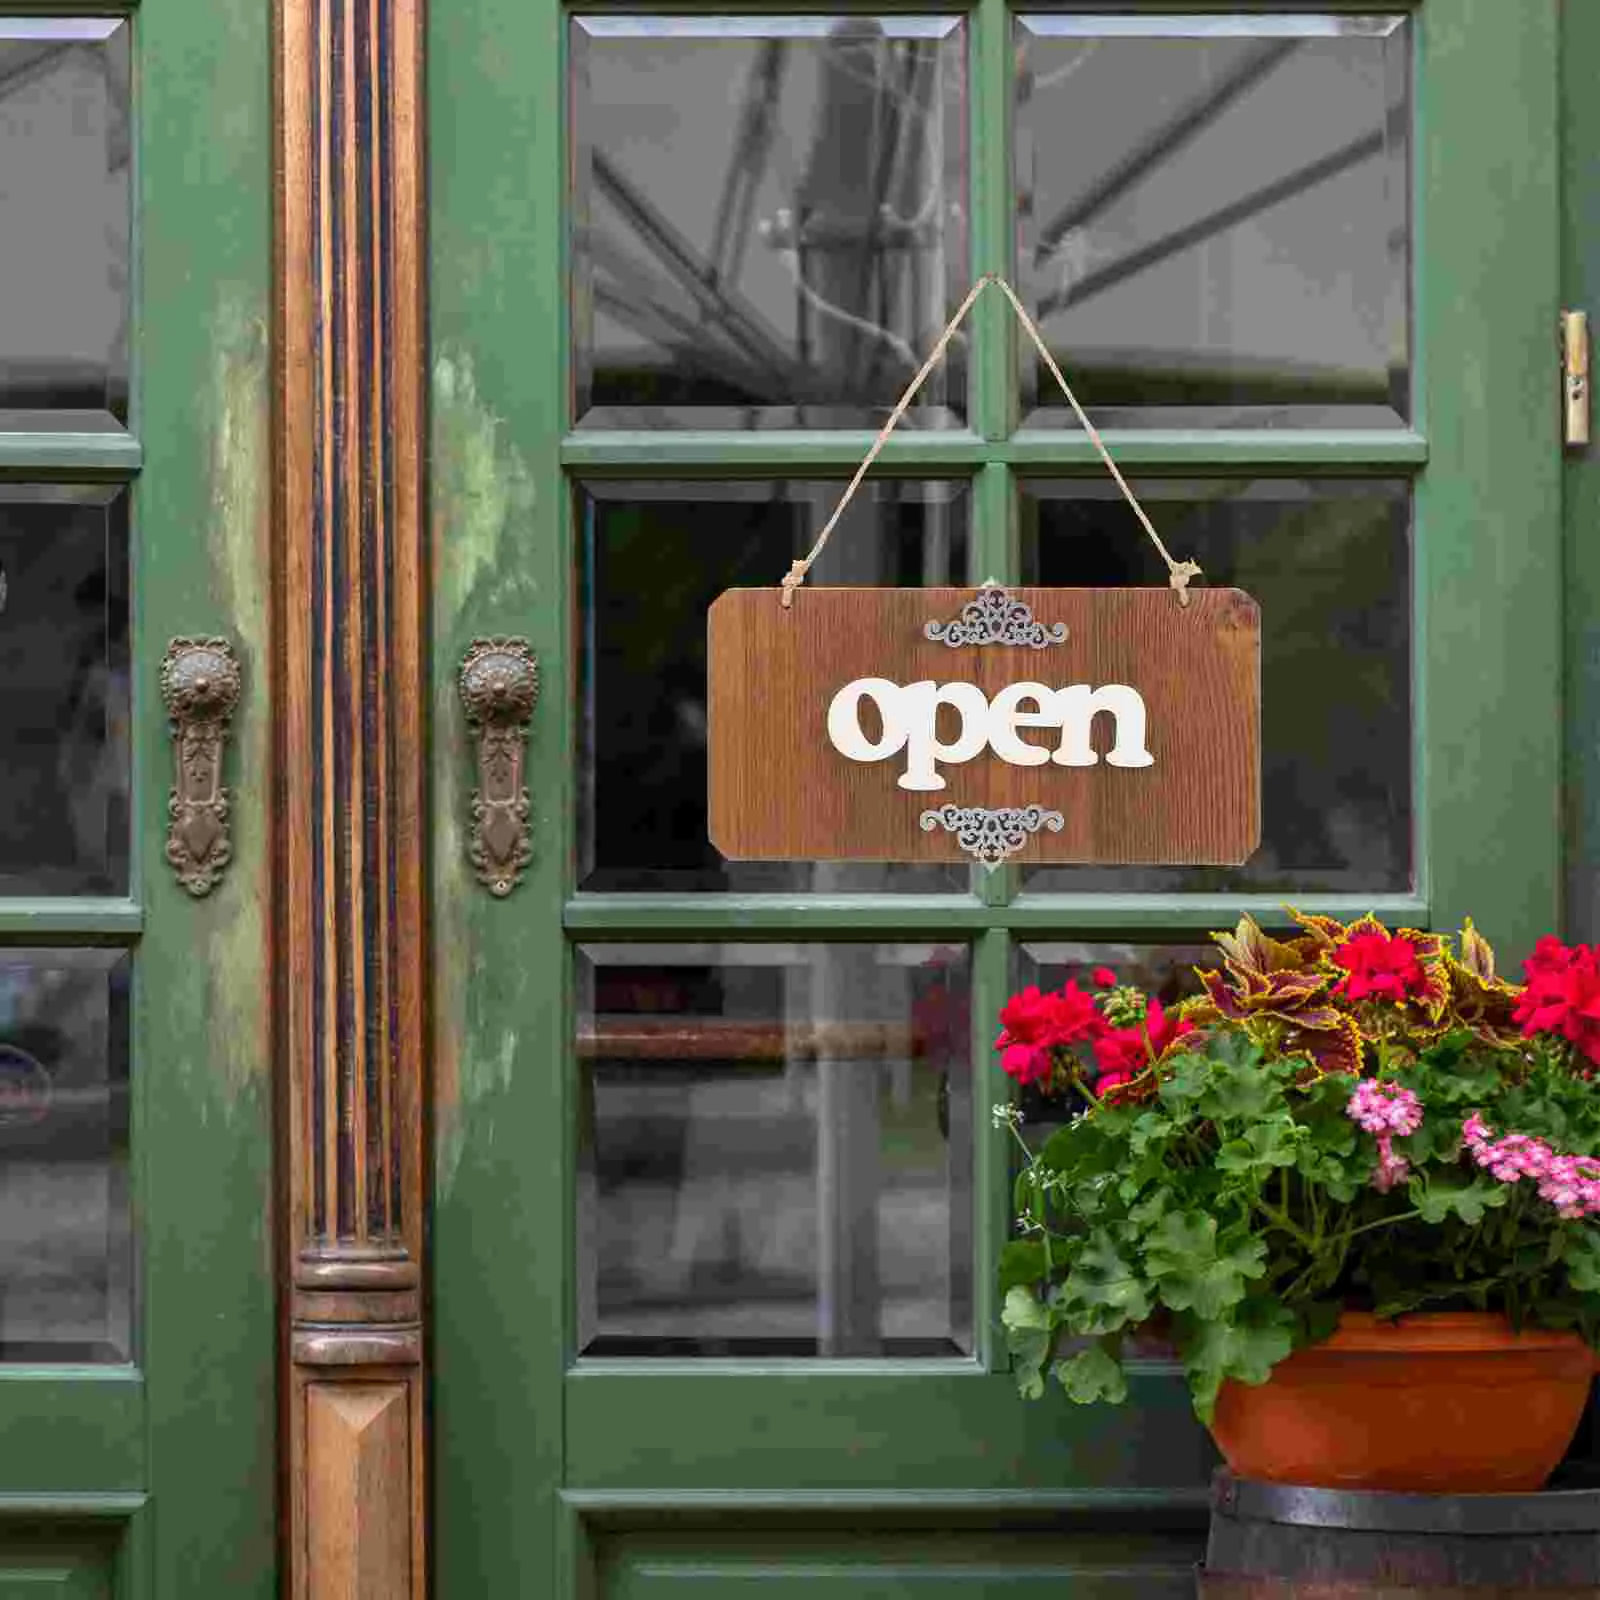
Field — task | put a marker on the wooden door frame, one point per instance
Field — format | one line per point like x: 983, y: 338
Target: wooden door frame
x: 348, y: 810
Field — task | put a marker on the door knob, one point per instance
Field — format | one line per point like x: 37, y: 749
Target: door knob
x: 499, y: 687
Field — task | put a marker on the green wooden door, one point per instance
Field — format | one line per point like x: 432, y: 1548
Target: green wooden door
x: 716, y: 1195
x: 137, y: 1340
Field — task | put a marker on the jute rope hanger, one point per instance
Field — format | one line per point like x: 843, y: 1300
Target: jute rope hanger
x: 1178, y: 572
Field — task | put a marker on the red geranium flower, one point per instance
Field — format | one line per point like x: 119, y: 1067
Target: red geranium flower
x: 1023, y: 1018
x: 1074, y: 1017
x: 1379, y: 966
x: 1122, y: 1053
x: 1563, y: 995
x: 1032, y: 1024
x: 1027, y: 1063
x: 1104, y: 978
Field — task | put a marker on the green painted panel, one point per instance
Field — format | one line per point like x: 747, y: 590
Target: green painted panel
x: 815, y: 1428
x: 821, y: 915
x: 70, y: 1432
x: 203, y: 1106
x: 1580, y: 289
x: 778, y: 1565
x: 501, y: 1214
x: 1488, y: 568
x: 51, y: 1564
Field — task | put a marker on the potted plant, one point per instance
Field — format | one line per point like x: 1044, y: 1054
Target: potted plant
x: 1354, y: 1183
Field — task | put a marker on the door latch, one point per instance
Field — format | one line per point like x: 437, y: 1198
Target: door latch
x: 200, y: 681
x: 499, y: 685
x: 1575, y: 377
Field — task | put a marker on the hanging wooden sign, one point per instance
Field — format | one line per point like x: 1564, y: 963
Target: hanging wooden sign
x: 1112, y: 726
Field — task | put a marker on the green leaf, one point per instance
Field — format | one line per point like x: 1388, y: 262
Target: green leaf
x: 1150, y: 1210
x: 1092, y: 1374
x: 1022, y: 1261
x: 1147, y: 1169
x: 1195, y: 1271
x: 1030, y: 1335
x: 1030, y: 1351
x: 1188, y: 1078
x: 1270, y: 1144
x: 1241, y: 1094
x: 1023, y: 1309
x: 1315, y: 1321
x: 1583, y: 1260
x: 1104, y: 1290
x: 1438, y: 1195
x: 1245, y: 1347
x: 1148, y: 1127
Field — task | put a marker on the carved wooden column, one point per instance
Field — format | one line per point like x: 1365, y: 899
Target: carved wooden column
x: 350, y: 926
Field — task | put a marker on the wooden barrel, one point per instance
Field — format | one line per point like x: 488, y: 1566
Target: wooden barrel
x: 1275, y: 1542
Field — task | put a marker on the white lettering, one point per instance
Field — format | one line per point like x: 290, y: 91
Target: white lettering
x: 844, y: 720
x: 910, y: 717
x: 919, y: 705
x: 1076, y: 708
x: 1006, y: 716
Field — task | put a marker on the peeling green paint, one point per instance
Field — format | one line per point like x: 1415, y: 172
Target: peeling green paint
x: 484, y: 501
x: 238, y: 418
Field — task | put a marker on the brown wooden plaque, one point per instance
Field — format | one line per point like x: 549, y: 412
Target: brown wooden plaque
x: 810, y: 762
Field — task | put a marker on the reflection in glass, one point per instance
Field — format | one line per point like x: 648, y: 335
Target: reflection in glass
x: 1213, y: 218
x: 776, y: 1150
x: 769, y: 218
x: 66, y: 1250
x: 64, y: 751
x: 65, y: 138
x: 653, y: 557
x: 1330, y: 564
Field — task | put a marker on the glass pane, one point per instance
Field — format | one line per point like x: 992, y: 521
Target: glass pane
x: 776, y: 1150
x: 1330, y: 564
x: 769, y: 219
x: 653, y: 558
x: 66, y: 1242
x: 1213, y: 221
x: 64, y: 753
x: 65, y: 138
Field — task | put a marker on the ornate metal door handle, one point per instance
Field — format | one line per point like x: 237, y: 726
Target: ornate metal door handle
x: 200, y: 682
x: 499, y: 688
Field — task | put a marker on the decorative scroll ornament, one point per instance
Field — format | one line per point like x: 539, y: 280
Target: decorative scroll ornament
x: 994, y: 617
x: 992, y: 836
x: 499, y: 689
x: 200, y: 682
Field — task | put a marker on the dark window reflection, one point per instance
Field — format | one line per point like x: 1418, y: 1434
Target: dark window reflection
x: 653, y: 557
x: 65, y: 138
x: 1330, y: 564
x: 66, y: 1252
x: 769, y: 219
x: 1213, y: 218
x: 776, y: 1150
x: 64, y: 748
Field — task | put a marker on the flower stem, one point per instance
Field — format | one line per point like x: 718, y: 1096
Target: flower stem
x: 1383, y: 1222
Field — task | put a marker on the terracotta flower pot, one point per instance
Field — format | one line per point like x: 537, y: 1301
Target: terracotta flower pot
x: 1441, y: 1402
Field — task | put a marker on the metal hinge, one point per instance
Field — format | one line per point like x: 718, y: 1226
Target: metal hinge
x: 1575, y: 377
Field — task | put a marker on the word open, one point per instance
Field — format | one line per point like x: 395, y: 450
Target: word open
x: 909, y: 718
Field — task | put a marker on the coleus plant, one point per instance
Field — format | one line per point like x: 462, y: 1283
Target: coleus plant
x: 1350, y: 1117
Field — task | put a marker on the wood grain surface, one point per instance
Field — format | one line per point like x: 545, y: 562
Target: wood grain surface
x: 351, y: 683
x: 779, y: 790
